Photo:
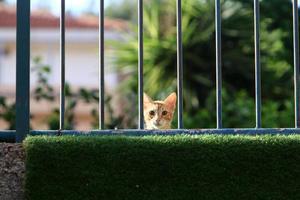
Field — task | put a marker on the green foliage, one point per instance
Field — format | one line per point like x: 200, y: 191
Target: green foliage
x: 115, y: 121
x: 239, y: 112
x: 125, y: 9
x: 71, y: 103
x: 8, y: 113
x: 45, y: 92
x: 163, y: 167
x: 199, y: 60
x: 199, y: 65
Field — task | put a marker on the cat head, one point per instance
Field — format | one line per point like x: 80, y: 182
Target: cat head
x: 159, y: 114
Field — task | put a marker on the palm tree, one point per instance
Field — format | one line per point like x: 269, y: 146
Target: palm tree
x: 199, y: 51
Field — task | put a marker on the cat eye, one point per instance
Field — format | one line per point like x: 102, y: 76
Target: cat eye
x: 152, y: 113
x: 164, y: 113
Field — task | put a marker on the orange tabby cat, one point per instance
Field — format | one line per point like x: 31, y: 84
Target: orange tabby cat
x: 159, y: 114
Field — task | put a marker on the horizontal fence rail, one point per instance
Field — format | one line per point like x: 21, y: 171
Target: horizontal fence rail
x: 23, y: 78
x: 11, y: 134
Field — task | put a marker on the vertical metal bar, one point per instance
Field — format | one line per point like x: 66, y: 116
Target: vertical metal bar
x: 101, y: 65
x: 257, y: 65
x: 62, y: 66
x: 179, y: 63
x: 141, y: 63
x: 23, y: 70
x: 296, y: 62
x: 218, y: 64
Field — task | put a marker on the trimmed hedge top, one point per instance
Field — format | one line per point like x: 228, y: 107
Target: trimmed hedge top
x: 163, y: 167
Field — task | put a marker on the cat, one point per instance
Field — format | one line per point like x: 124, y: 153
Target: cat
x: 159, y: 114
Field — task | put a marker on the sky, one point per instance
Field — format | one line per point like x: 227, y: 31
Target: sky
x: 75, y: 6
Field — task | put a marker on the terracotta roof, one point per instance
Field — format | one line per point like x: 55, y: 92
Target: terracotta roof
x: 45, y: 19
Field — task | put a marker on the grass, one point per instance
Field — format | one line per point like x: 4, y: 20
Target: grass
x: 163, y: 168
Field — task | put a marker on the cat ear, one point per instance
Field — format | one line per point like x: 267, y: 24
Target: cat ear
x: 147, y: 99
x: 170, y: 101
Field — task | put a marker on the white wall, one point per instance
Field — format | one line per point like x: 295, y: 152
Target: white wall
x: 82, y: 60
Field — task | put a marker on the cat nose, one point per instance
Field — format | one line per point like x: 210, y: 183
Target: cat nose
x: 156, y: 123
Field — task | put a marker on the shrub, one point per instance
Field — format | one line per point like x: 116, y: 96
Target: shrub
x: 163, y: 167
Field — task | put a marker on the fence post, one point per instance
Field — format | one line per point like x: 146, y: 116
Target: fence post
x: 179, y: 63
x: 62, y: 66
x: 218, y: 63
x: 141, y: 63
x: 101, y: 65
x: 296, y: 62
x: 23, y: 69
x: 257, y: 64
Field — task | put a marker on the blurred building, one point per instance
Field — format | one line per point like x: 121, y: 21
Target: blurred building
x: 82, y: 59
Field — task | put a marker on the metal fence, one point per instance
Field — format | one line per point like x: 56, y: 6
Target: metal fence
x: 23, y: 78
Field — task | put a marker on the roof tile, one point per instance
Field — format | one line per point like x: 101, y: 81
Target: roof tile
x: 45, y: 19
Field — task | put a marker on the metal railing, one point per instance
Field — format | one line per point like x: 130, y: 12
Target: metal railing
x: 23, y: 77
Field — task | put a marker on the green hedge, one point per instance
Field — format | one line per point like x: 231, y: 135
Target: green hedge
x: 163, y: 167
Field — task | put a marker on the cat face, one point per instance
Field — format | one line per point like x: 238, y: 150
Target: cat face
x: 159, y: 114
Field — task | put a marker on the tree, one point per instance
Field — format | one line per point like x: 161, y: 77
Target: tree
x: 199, y: 54
x: 126, y: 10
x: 43, y: 91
